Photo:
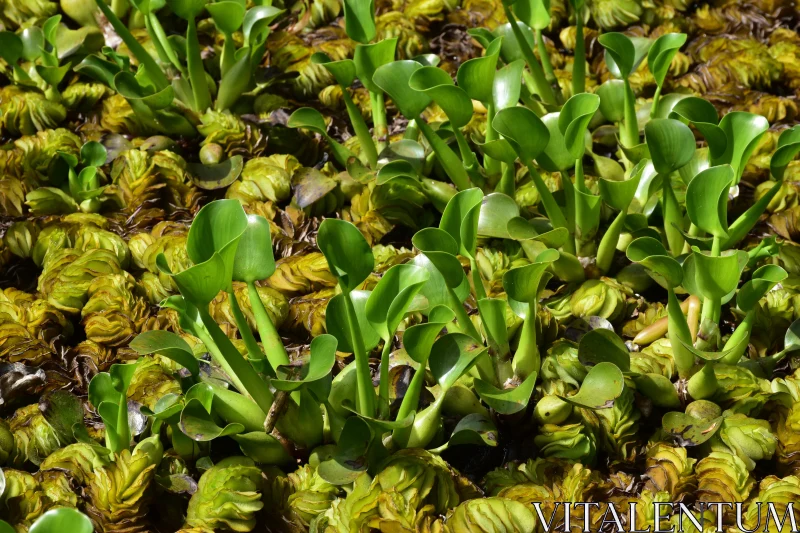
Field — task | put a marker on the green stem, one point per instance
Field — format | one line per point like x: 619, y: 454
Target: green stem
x: 154, y: 72
x: 467, y: 155
x: 197, y: 73
x: 380, y: 128
x: 608, y: 244
x: 270, y: 339
x: 580, y: 186
x: 677, y: 331
x: 492, y: 166
x: 157, y: 29
x: 412, y: 131
x: 656, y: 99
x: 737, y: 342
x: 527, y: 359
x: 361, y: 129
x: 480, y: 291
x: 630, y: 124
x: 365, y: 393
x: 123, y: 429
x: 742, y: 225
x: 464, y: 323
x: 704, y: 383
x: 579, y: 63
x: 249, y: 339
x: 673, y: 218
x: 552, y: 209
x: 228, y: 58
x: 711, y: 306
x: 242, y: 374
x: 508, y: 178
x: 544, y: 56
x: 450, y: 161
x: 383, y: 386
x: 409, y: 404
x: 541, y: 87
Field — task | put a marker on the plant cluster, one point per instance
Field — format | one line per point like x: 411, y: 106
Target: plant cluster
x: 550, y: 256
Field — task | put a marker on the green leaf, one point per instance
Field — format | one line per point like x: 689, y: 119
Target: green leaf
x: 619, y: 194
x: 310, y: 119
x: 32, y: 43
x: 658, y: 389
x: 524, y: 283
x: 612, y: 98
x: 508, y: 85
x: 50, y: 27
x: 497, y: 210
x: 62, y: 520
x: 623, y: 54
x: 348, y: 254
x: 369, y: 57
x: 763, y: 280
x: 506, y: 401
x: 661, y: 54
x: 228, y: 15
x: 523, y: 130
x: 169, y: 345
x: 603, y: 345
x: 707, y: 200
x: 452, y: 356
x: 787, y: 149
x: 602, y: 385
x: 474, y: 429
x: 359, y: 20
x: 11, y: 47
x: 344, y: 71
x: 435, y: 290
x: 108, y: 393
x: 555, y: 157
x: 5, y: 527
x: 690, y: 431
x: 573, y: 121
x: 256, y: 23
x: 476, y: 76
x: 703, y: 115
x: 671, y: 144
x: 93, y: 154
x: 651, y: 254
x: 456, y: 219
x: 394, y: 78
x: 438, y: 85
x: 418, y: 339
x: 534, y: 13
x: 218, y: 175
x: 392, y: 296
x: 263, y: 448
x: 216, y: 229
x: 510, y: 49
x: 254, y: 259
x: 187, y: 9
x: 351, y: 456
x: 337, y: 325
x: 197, y: 422
x: 321, y: 361
x: 128, y: 86
x: 744, y: 131
x: 791, y: 341
x: 714, y: 277
x: 441, y: 250
x: 493, y: 318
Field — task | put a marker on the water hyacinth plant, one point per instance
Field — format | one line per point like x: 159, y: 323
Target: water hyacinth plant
x: 350, y: 265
